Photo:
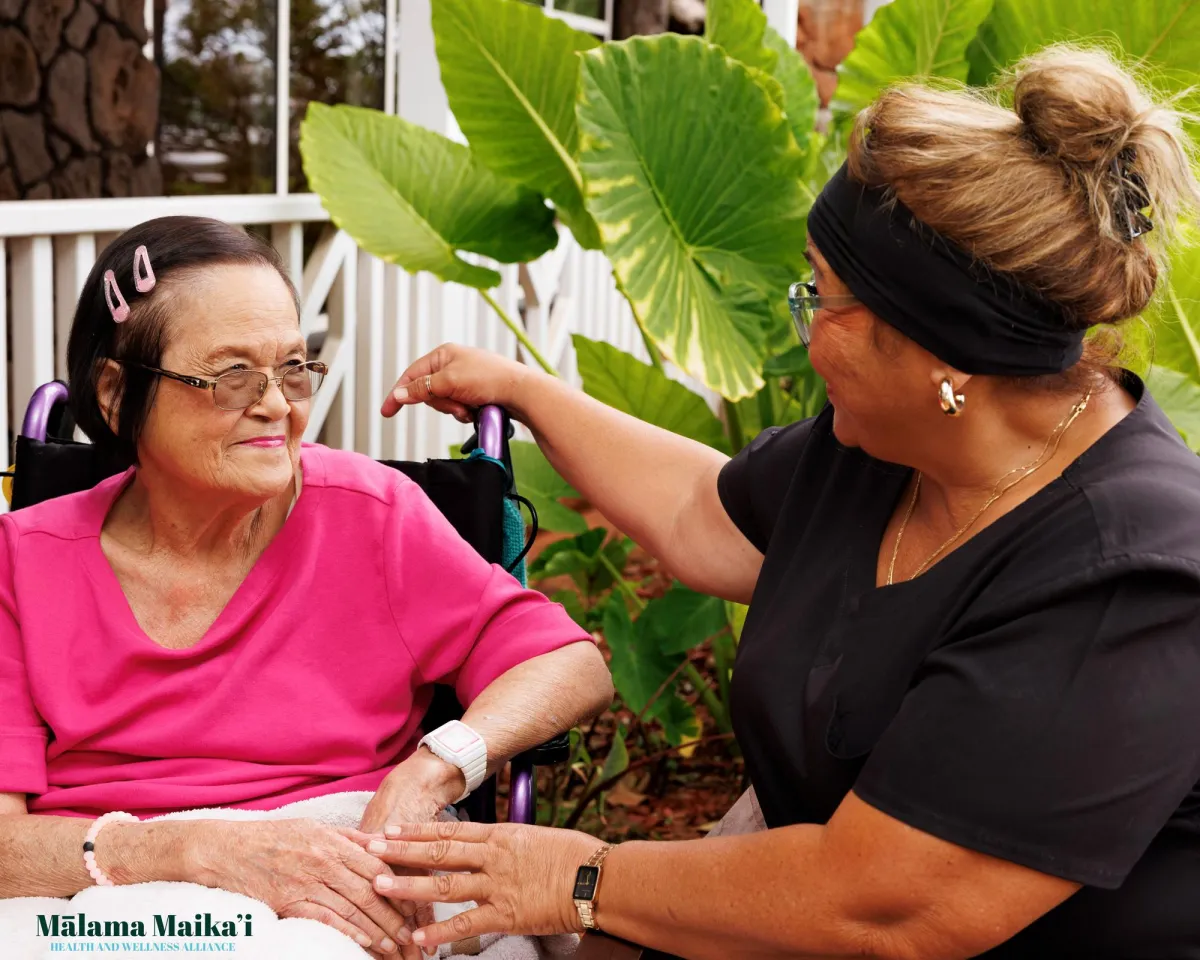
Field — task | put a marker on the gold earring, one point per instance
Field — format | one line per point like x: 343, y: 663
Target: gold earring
x: 952, y: 403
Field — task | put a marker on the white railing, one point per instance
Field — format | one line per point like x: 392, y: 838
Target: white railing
x: 377, y: 318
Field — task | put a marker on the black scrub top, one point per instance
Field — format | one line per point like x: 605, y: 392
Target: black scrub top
x: 1035, y: 695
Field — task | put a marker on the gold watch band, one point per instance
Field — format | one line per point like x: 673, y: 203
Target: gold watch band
x: 587, y: 908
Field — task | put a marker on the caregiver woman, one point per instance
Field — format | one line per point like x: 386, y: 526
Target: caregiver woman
x: 968, y: 691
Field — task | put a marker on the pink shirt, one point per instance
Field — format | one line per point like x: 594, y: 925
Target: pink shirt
x: 313, y: 679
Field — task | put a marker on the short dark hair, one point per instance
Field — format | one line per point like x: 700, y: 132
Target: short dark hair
x: 177, y: 245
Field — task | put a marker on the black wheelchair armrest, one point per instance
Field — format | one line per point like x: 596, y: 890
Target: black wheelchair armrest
x: 554, y: 751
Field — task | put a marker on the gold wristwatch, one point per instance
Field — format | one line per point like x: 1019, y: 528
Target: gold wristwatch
x: 587, y: 880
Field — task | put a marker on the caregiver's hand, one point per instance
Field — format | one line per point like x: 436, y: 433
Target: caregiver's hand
x: 300, y: 868
x: 455, y: 379
x: 415, y: 791
x: 521, y: 877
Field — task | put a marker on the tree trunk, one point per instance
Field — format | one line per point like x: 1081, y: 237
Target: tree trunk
x: 640, y: 17
x: 825, y: 35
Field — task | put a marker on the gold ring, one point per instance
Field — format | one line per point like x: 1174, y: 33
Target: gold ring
x: 429, y: 384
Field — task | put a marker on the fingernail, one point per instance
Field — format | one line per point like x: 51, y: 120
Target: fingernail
x: 384, y: 883
x: 386, y: 945
x: 419, y: 936
x: 400, y: 393
x: 362, y: 939
x: 391, y: 830
x: 404, y: 936
x: 431, y: 951
x: 377, y: 846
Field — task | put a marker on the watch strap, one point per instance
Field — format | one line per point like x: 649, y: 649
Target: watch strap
x: 471, y: 760
x: 587, y: 907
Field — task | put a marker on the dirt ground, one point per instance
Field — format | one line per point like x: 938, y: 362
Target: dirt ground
x: 665, y: 797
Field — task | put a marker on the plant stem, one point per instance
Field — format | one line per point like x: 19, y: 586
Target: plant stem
x: 719, y: 714
x: 651, y: 347
x: 621, y: 583
x: 655, y: 356
x: 721, y: 654
x: 593, y: 791
x: 519, y: 333
x: 766, y: 407
x: 733, y: 423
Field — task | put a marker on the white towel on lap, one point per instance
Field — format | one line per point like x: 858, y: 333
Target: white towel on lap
x: 272, y: 938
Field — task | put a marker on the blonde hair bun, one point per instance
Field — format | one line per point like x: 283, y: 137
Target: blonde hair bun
x: 1044, y: 189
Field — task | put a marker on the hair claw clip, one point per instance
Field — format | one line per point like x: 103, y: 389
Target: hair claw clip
x: 119, y: 309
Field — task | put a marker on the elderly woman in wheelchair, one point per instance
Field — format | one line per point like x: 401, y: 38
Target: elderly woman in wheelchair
x: 240, y: 620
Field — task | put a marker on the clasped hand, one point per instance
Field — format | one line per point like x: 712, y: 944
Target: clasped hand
x: 520, y: 877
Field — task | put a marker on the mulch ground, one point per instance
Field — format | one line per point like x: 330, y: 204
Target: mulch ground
x: 665, y: 795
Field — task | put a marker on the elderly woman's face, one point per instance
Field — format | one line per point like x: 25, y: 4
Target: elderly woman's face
x: 877, y: 380
x: 228, y: 318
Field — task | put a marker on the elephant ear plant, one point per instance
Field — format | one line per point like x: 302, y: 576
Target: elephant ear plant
x: 701, y: 213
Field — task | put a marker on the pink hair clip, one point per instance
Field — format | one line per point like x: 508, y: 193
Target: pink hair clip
x: 119, y: 309
x: 145, y: 281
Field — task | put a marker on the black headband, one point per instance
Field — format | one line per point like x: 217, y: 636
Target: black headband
x: 933, y: 291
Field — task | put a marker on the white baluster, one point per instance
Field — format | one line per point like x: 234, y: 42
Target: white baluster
x: 73, y: 259
x: 32, y: 321
x: 370, y: 363
x: 5, y: 457
x: 288, y: 240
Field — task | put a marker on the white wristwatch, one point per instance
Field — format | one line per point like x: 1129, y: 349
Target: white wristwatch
x: 458, y: 744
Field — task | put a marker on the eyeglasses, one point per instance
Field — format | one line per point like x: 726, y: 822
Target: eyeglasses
x: 804, y: 302
x: 239, y: 389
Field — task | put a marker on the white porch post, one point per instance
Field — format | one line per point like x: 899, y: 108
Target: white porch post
x: 422, y: 99
x: 782, y: 15
x: 434, y: 310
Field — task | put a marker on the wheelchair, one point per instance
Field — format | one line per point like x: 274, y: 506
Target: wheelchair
x: 476, y: 494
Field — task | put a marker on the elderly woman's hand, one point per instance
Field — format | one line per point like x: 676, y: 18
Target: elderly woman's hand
x: 301, y: 868
x: 521, y: 877
x: 415, y: 791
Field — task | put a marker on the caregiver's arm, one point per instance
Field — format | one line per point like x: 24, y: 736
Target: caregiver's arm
x: 654, y: 485
x: 863, y: 885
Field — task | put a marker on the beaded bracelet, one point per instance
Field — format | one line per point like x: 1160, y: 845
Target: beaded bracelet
x: 89, y: 845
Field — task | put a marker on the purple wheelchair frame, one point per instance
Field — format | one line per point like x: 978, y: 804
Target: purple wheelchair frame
x: 521, y: 805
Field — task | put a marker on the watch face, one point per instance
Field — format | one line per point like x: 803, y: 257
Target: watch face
x: 458, y: 739
x: 585, y: 883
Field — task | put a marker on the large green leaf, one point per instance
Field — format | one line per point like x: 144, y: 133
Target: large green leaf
x: 908, y: 39
x: 416, y: 199
x: 511, y: 74
x: 625, y: 383
x: 540, y: 482
x: 700, y: 210
x: 1165, y: 34
x: 1174, y: 316
x: 587, y: 558
x: 617, y: 761
x: 738, y: 27
x: 800, y: 98
x: 681, y: 619
x: 1179, y: 396
x: 639, y: 669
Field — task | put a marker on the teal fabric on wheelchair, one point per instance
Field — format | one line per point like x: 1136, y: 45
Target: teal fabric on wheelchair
x: 514, y: 523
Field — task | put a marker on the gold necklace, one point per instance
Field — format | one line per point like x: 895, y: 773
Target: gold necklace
x: 1032, y: 467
